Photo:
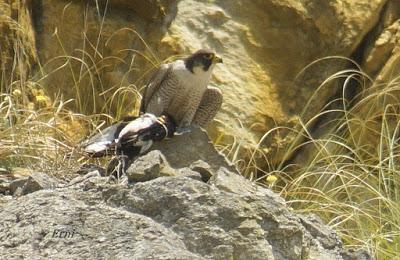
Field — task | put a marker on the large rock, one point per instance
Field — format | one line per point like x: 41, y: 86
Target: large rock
x: 24, y: 181
x: 148, y: 167
x: 265, y: 44
x: 36, y: 181
x: 167, y: 217
x: 89, y: 50
x: 184, y: 150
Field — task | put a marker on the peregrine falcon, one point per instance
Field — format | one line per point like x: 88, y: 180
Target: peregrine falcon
x: 180, y: 90
x: 130, y: 138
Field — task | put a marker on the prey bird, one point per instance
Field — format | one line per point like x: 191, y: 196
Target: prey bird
x: 130, y: 138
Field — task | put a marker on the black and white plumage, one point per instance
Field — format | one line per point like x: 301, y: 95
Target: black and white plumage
x: 180, y: 89
x: 130, y: 138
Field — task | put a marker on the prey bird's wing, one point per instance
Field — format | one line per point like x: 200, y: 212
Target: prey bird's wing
x: 129, y: 134
x: 103, y: 143
x: 153, y: 86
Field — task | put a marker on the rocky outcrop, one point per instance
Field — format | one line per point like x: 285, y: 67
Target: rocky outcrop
x: 175, y: 213
x: 168, y: 217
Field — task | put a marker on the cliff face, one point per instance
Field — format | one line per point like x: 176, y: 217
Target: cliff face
x: 90, y: 50
x: 94, y: 49
x: 265, y: 44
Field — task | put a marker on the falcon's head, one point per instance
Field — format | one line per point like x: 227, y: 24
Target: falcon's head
x: 202, y: 60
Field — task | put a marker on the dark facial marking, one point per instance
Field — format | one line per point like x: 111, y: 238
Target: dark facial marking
x: 202, y: 58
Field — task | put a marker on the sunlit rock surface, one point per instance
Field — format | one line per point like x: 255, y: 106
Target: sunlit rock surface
x: 94, y: 49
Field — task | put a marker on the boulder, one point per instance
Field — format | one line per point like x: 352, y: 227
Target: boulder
x: 21, y: 181
x: 167, y: 217
x: 36, y: 181
x: 148, y: 167
x: 168, y: 209
x: 193, y: 149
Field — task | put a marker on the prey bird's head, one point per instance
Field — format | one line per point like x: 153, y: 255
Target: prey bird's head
x: 202, y: 60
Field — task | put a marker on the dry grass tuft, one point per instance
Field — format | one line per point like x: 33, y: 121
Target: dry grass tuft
x: 350, y: 175
x: 41, y: 131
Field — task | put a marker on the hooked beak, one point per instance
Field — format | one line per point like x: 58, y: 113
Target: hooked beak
x: 217, y: 59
